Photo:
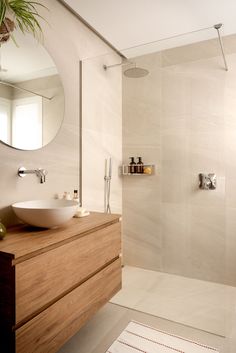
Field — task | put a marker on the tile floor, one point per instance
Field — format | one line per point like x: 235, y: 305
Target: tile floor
x: 199, y: 304
x: 102, y: 330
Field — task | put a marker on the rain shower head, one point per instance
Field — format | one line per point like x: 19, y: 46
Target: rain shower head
x: 136, y: 72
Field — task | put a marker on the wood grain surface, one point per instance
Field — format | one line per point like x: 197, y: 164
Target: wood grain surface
x: 52, y: 281
x: 50, y: 329
x: 43, y: 278
x: 24, y: 241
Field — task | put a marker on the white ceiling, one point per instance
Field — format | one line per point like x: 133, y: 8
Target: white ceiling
x: 128, y: 23
x: 26, y: 61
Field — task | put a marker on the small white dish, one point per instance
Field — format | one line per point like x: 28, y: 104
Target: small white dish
x: 84, y: 214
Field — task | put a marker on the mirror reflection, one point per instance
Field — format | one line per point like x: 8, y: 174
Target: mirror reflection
x: 31, y: 94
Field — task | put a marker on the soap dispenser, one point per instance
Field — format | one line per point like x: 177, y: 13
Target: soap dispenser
x: 139, y: 165
x: 132, y: 166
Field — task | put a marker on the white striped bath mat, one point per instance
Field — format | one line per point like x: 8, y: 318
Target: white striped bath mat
x: 140, y: 338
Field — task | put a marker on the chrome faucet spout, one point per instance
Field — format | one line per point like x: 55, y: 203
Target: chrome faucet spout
x: 40, y: 173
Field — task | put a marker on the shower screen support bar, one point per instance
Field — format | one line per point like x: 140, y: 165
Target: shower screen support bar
x: 217, y: 27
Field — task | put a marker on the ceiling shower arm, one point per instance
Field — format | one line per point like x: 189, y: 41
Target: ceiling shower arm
x: 135, y: 72
x: 120, y: 64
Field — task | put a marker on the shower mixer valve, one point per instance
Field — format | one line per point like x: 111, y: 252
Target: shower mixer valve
x: 207, y: 181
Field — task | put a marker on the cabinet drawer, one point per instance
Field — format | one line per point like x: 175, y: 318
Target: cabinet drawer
x: 44, y: 278
x: 48, y: 331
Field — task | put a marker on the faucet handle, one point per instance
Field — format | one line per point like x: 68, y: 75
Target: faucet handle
x: 43, y: 171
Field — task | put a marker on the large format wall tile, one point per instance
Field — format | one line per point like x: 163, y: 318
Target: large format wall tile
x: 230, y: 246
x: 176, y: 239
x: 176, y: 100
x: 207, y: 234
x: 142, y: 235
x: 102, y: 131
x: 194, y: 132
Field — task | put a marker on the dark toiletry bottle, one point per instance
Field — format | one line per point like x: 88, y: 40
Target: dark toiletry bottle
x: 76, y: 195
x: 139, y: 167
x: 132, y: 166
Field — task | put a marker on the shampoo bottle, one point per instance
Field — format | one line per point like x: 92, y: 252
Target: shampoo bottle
x: 132, y: 166
x: 76, y: 197
x: 139, y: 165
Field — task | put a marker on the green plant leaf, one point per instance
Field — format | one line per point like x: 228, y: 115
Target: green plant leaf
x: 3, y: 8
x: 24, y: 13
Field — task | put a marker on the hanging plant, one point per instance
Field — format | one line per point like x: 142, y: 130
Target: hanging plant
x: 6, y: 28
x: 22, y: 14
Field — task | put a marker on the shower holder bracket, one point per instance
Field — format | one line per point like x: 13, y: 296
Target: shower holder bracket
x: 207, y: 181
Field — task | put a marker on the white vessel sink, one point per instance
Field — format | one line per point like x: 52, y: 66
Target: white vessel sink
x: 45, y: 213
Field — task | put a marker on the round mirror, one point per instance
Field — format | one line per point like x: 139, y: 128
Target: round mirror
x: 31, y: 94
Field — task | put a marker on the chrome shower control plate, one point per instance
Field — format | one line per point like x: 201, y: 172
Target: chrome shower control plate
x: 207, y: 181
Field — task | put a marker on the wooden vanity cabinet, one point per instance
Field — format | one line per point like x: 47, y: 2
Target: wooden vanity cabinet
x: 52, y: 281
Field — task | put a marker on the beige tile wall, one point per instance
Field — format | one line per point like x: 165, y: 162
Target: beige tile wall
x: 182, y: 117
x: 68, y: 41
x: 101, y: 131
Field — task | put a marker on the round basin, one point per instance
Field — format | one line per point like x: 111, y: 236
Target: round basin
x: 45, y: 213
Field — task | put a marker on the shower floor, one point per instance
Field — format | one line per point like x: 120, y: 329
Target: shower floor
x: 200, y: 304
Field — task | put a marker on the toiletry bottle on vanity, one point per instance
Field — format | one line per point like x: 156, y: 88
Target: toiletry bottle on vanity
x: 67, y: 196
x: 139, y: 166
x: 132, y: 166
x: 76, y: 197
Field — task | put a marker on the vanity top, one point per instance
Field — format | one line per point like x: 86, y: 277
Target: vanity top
x: 23, y: 241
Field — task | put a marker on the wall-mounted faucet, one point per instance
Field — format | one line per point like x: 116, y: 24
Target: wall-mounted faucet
x: 40, y: 173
